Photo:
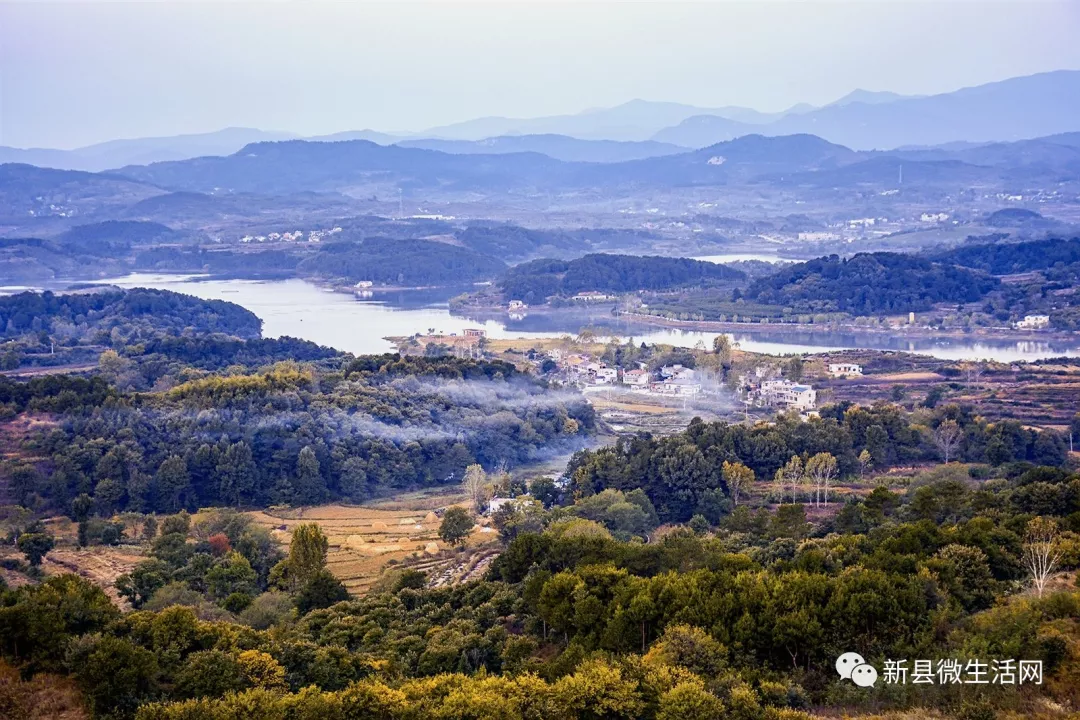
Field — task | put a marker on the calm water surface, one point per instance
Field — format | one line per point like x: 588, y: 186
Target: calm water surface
x: 359, y: 325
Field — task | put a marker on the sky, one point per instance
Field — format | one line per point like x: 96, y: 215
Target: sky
x: 77, y: 73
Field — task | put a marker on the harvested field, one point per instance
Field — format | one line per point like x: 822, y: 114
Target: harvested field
x: 365, y: 540
x: 99, y: 564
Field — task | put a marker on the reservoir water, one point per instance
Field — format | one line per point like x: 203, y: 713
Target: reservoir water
x: 359, y: 325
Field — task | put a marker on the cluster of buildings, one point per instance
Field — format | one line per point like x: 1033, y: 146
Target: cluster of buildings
x: 671, y: 380
x: 294, y: 236
x: 762, y: 388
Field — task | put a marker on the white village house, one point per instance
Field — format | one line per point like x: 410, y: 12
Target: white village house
x: 838, y: 369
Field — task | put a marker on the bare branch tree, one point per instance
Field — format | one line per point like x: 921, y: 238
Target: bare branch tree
x: 947, y: 437
x: 1042, y: 551
x: 476, y: 487
x: 792, y: 473
x: 821, y: 468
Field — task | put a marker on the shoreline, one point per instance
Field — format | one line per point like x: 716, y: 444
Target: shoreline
x: 906, y: 331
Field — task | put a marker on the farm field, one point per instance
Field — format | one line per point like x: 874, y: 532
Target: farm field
x: 400, y: 531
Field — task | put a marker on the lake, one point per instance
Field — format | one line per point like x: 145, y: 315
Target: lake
x: 358, y: 325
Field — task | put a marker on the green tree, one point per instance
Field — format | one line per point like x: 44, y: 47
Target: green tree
x: 794, y: 369
x: 236, y: 473
x: 738, y: 478
x: 233, y: 574
x: 173, y: 483
x: 35, y: 546
x: 456, y: 525
x: 309, y: 486
x: 877, y: 443
x: 209, y: 673
x: 321, y: 591
x: 143, y: 581
x: 545, y: 491
x: 115, y: 675
x: 689, y: 700
x: 307, y: 554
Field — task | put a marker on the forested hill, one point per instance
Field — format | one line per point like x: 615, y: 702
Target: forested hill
x: 537, y: 280
x: 287, y: 433
x: 401, y: 262
x: 133, y: 314
x: 870, y: 283
x: 1006, y: 258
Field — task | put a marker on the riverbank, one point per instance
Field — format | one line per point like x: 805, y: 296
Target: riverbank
x: 914, y: 331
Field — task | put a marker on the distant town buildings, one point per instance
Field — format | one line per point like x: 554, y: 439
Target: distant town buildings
x: 592, y: 296
x: 475, y: 332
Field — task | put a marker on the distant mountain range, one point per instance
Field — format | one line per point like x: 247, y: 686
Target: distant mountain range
x: 1015, y: 109
x: 359, y: 166
x: 559, y: 147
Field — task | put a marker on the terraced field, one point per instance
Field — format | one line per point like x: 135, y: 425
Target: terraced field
x: 366, y: 539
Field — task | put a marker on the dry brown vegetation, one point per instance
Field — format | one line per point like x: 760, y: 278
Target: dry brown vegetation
x: 44, y: 697
x: 366, y: 540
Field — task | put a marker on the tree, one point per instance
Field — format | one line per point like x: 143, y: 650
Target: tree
x: 722, y: 347
x: 144, y: 580
x: 236, y: 473
x: 737, y: 477
x: 173, y: 483
x: 545, y: 491
x: 877, y: 442
x: 116, y: 675
x: 209, y: 673
x: 309, y: 485
x: 821, y: 468
x: 794, y: 369
x: 1074, y: 432
x: 947, y: 437
x: 791, y: 473
x: 321, y: 591
x: 866, y: 461
x: 476, y: 487
x: 456, y: 525
x: 307, y: 554
x: 1042, y: 551
x: 35, y: 545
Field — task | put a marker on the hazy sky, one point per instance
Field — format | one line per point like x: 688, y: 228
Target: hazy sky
x: 83, y: 72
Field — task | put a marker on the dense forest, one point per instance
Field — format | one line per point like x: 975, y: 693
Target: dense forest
x: 870, y: 283
x: 741, y: 617
x: 288, y: 433
x: 134, y: 314
x: 682, y: 475
x: 401, y: 262
x: 540, y: 279
x: 1007, y: 258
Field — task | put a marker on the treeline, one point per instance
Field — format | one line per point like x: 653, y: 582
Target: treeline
x: 745, y: 622
x: 682, y: 474
x: 537, y: 280
x: 286, y: 434
x: 409, y: 262
x: 870, y: 283
x: 93, y: 316
x: 1005, y: 258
